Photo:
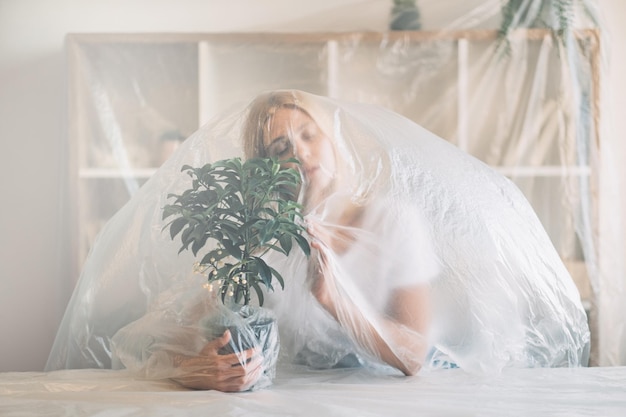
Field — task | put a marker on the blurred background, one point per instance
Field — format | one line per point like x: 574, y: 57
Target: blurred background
x: 38, y: 256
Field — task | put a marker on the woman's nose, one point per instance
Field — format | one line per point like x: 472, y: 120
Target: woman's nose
x: 302, y: 151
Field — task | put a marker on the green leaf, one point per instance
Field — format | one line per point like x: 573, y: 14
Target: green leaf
x: 303, y: 243
x: 278, y: 277
x: 264, y: 271
x: 286, y: 243
x: 268, y: 231
x: 170, y: 210
x: 176, y: 226
x: 259, y: 293
x: 233, y: 250
x: 185, y: 237
x: 238, y: 294
x: 198, y: 244
x: 217, y: 254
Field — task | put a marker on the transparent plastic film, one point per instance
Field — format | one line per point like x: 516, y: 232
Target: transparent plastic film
x: 422, y: 256
x: 143, y: 306
x: 451, y: 191
x: 201, y: 344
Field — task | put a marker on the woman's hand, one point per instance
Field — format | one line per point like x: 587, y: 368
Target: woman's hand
x: 323, y: 286
x: 336, y: 238
x: 228, y: 373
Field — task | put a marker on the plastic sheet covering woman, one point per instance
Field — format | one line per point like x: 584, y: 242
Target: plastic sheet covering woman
x: 424, y: 257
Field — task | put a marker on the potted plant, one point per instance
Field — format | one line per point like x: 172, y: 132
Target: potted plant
x: 243, y: 210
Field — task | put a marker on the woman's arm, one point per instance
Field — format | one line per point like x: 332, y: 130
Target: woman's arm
x: 155, y: 347
x: 399, y: 341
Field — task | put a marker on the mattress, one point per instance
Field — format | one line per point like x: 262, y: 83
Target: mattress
x: 599, y: 391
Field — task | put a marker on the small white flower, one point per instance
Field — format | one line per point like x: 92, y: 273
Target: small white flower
x: 199, y: 268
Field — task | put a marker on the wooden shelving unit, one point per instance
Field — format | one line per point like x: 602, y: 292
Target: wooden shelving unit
x: 127, y: 89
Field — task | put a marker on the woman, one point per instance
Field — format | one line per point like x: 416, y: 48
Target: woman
x: 424, y: 257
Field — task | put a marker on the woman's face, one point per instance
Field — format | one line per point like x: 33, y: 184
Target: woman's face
x: 292, y: 133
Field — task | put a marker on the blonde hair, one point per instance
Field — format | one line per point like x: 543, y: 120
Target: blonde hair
x: 260, y: 112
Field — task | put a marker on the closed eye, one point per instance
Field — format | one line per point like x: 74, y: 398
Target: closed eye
x: 279, y: 147
x: 308, y: 132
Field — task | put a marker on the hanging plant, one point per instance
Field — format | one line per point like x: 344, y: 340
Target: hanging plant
x: 556, y: 15
x: 405, y: 16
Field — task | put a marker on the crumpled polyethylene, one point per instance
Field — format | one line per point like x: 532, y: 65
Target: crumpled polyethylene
x: 404, y: 210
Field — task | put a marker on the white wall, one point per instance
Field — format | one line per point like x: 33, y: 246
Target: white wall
x: 611, y: 307
x: 34, y: 258
x: 614, y: 12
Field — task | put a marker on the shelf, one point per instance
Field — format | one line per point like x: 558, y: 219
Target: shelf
x: 157, y: 83
x: 518, y: 171
x: 127, y: 92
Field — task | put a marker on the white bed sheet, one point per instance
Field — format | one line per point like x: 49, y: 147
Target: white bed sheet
x: 297, y: 392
